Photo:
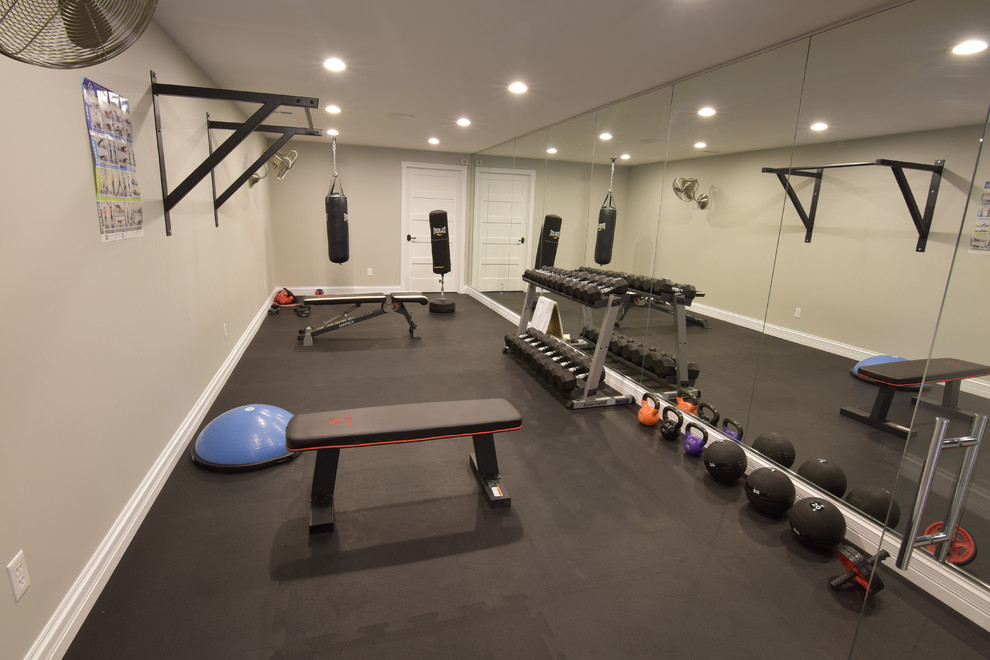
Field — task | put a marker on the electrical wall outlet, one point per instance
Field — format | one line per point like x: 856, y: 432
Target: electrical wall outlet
x: 369, y: 272
x: 17, y: 570
x: 797, y: 312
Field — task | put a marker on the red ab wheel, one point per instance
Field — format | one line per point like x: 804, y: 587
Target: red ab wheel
x: 962, y: 548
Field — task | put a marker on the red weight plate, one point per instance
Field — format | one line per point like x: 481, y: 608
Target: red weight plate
x: 963, y: 546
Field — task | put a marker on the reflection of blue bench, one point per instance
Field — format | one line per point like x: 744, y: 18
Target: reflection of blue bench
x: 393, y: 302
x: 894, y: 376
x: 329, y: 432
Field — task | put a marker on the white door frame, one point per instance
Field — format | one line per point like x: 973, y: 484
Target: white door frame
x: 457, y: 257
x: 476, y: 240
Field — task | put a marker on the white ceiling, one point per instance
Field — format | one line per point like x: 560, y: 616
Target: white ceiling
x: 442, y: 59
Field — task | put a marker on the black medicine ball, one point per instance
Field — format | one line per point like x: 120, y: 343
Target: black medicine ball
x: 817, y: 523
x: 776, y: 447
x: 875, y: 501
x: 770, y: 491
x: 725, y: 460
x: 825, y: 474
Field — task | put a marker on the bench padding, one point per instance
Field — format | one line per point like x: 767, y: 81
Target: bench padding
x: 911, y: 372
x: 346, y: 299
x: 410, y: 297
x: 414, y: 422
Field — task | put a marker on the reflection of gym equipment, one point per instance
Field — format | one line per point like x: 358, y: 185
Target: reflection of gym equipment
x: 637, y: 355
x: 922, y: 222
x: 937, y: 534
x: 280, y: 163
x: 329, y: 432
x: 687, y: 191
x: 546, y: 251
x: 440, y: 247
x: 895, y: 376
x: 605, y: 235
x: 859, y: 566
x: 391, y: 302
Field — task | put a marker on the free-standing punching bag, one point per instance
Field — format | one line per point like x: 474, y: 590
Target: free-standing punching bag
x: 606, y: 226
x: 337, y: 232
x: 546, y: 251
x: 440, y: 245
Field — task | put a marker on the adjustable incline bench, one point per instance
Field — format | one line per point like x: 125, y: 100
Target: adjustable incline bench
x: 894, y: 376
x: 329, y: 432
x: 394, y: 302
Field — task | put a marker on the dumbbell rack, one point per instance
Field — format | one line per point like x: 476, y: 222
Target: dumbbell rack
x: 677, y: 297
x: 611, y: 303
x: 674, y: 380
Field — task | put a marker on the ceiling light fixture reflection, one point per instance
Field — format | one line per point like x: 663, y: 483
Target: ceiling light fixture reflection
x: 625, y: 156
x: 518, y: 87
x: 605, y: 136
x: 334, y: 64
x: 434, y: 140
x: 969, y: 47
x: 707, y: 112
x: 463, y: 121
x: 333, y: 109
x: 333, y: 131
x: 700, y: 145
x: 819, y: 126
x: 551, y: 150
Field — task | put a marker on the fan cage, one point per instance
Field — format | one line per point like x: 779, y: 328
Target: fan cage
x: 69, y: 34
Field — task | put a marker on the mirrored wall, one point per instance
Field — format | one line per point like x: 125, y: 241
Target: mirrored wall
x: 789, y: 194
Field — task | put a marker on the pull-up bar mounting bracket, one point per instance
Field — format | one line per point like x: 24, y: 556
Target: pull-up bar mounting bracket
x: 922, y: 221
x: 269, y: 103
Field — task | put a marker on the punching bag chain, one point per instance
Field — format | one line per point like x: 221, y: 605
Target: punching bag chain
x: 611, y: 177
x: 333, y: 149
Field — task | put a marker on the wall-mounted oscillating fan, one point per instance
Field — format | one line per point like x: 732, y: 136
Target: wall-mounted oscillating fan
x: 69, y: 34
x: 687, y: 190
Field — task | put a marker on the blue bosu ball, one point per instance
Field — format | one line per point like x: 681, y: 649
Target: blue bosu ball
x: 244, y: 438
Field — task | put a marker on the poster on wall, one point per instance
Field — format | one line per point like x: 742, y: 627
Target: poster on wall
x: 979, y: 242
x: 111, y: 134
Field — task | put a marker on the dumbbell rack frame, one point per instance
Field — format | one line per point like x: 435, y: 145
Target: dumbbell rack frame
x: 612, y: 305
x: 663, y: 302
x: 680, y: 337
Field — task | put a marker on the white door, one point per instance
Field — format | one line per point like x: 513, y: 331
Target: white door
x: 503, y: 212
x: 425, y: 188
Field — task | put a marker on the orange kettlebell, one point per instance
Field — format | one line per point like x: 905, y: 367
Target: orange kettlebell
x: 649, y: 414
x: 686, y: 402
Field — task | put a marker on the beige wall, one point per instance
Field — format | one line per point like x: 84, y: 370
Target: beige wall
x: 372, y: 180
x: 107, y: 346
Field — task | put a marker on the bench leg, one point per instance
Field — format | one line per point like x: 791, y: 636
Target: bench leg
x: 401, y: 309
x: 321, y: 496
x: 484, y: 462
x: 878, y: 416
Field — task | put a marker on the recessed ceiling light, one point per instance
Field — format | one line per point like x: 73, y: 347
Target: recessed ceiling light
x: 700, y: 145
x: 819, y: 126
x: 434, y: 140
x: 333, y: 109
x: 706, y: 112
x: 969, y: 47
x: 334, y: 64
x: 333, y: 131
x: 625, y: 156
x: 551, y: 150
x: 463, y: 121
x: 518, y: 87
x: 605, y: 136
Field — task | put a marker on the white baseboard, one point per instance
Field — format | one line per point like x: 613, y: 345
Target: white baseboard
x: 55, y: 638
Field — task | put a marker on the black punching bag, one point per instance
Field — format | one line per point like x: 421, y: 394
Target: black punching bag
x: 440, y: 245
x: 546, y: 251
x: 606, y: 232
x: 337, y: 234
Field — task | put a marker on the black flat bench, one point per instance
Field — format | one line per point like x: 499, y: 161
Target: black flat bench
x: 389, y: 302
x: 895, y: 376
x: 329, y: 432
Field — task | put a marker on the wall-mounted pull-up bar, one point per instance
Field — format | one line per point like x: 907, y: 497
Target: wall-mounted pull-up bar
x: 269, y: 103
x: 922, y: 221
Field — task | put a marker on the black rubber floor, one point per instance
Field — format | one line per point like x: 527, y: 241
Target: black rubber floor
x: 617, y: 544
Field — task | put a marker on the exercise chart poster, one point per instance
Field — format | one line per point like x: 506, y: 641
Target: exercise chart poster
x: 111, y: 134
